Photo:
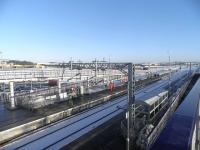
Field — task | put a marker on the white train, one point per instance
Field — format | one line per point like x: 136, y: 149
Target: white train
x: 148, y: 109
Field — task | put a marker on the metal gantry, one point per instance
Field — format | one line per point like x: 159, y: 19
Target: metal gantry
x: 93, y: 65
x: 131, y: 100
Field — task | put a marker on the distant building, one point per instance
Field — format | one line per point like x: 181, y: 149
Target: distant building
x: 39, y: 66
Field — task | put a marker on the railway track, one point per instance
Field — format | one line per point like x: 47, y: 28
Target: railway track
x: 68, y: 128
x: 62, y: 133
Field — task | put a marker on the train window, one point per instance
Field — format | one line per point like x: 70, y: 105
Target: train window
x: 161, y: 99
x: 151, y: 115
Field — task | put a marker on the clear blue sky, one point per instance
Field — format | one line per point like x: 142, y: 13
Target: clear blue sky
x: 137, y: 31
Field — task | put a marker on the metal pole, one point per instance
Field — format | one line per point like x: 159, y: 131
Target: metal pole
x: 31, y: 85
x: 109, y: 73
x: 95, y: 68
x: 1, y: 60
x: 131, y: 100
x: 71, y: 65
x: 96, y: 71
x: 88, y: 82
x: 133, y: 91
x: 169, y: 73
x: 149, y: 72
x: 12, y: 96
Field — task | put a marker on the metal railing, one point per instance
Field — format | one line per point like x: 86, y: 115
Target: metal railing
x: 49, y: 73
x: 44, y: 97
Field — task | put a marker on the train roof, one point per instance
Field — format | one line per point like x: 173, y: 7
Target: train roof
x: 149, y: 96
